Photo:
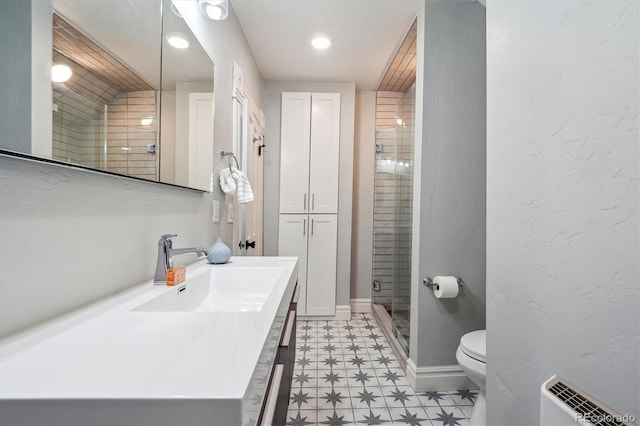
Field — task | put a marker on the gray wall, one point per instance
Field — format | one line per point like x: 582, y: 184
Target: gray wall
x: 26, y: 61
x: 225, y: 43
x: 272, y: 98
x: 363, y: 171
x: 71, y: 237
x: 41, y: 89
x: 562, y: 206
x: 449, y: 191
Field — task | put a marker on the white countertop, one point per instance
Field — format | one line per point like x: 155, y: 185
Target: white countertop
x: 107, y: 351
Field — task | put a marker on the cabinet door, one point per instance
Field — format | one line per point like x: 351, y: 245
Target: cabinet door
x: 325, y: 152
x: 295, y: 131
x: 322, y: 263
x: 292, y: 241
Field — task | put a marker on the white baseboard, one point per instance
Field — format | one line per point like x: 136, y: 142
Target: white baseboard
x: 437, y: 378
x: 360, y: 306
x: 343, y: 313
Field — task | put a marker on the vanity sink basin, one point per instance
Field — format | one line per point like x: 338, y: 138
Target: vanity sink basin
x: 225, y: 289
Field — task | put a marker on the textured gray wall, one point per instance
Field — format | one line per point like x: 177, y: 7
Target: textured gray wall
x: 363, y: 168
x: 225, y: 43
x: 272, y: 99
x: 562, y: 206
x: 25, y: 88
x: 15, y: 84
x: 70, y: 237
x: 449, y: 201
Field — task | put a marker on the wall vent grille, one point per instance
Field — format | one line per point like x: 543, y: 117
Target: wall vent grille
x: 583, y: 406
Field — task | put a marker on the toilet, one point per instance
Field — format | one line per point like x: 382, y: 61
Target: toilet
x: 471, y: 356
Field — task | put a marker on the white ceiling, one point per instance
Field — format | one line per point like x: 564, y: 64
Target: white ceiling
x: 365, y: 36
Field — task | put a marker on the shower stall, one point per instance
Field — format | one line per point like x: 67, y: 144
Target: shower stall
x: 392, y: 216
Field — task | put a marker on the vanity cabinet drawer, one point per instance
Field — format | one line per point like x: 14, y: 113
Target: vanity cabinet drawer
x: 270, y: 413
x: 274, y: 410
x: 287, y: 357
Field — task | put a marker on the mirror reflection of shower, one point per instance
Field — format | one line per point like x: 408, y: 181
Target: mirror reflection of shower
x: 104, y: 114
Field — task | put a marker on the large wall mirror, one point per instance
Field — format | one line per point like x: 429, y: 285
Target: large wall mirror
x: 131, y: 89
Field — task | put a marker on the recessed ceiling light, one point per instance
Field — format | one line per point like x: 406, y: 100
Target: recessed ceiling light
x: 146, y: 121
x: 215, y: 9
x: 321, y: 41
x: 177, y: 40
x: 60, y: 73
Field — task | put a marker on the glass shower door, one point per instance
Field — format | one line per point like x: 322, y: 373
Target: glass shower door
x: 401, y: 293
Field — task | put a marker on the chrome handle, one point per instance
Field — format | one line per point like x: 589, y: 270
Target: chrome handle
x: 288, y: 329
x: 166, y: 237
x: 272, y: 397
x: 296, y: 294
x: 304, y: 227
x: 312, y: 221
x: 305, y: 202
x: 313, y: 201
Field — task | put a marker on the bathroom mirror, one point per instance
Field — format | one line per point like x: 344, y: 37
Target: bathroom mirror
x: 186, y: 124
x: 115, y: 79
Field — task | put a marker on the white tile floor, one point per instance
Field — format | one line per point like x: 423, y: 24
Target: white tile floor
x: 345, y: 373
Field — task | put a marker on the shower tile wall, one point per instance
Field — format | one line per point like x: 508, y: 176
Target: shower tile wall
x: 128, y: 137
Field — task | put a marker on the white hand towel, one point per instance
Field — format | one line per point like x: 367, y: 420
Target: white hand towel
x: 244, y: 191
x: 227, y: 181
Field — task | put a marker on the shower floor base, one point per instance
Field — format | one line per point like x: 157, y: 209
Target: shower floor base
x: 384, y: 321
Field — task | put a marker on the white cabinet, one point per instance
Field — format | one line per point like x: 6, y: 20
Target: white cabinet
x: 309, y: 164
x: 295, y: 137
x: 322, y: 264
x: 293, y: 242
x: 313, y: 238
x: 309, y: 152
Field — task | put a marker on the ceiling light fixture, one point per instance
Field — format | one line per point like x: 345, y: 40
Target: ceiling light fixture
x: 175, y: 10
x: 215, y: 9
x: 60, y: 73
x: 146, y: 121
x: 177, y: 40
x: 321, y: 41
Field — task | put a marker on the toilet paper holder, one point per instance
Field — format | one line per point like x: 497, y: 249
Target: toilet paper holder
x: 429, y: 282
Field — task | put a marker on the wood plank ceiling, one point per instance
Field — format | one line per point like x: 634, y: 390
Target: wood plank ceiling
x: 70, y: 42
x: 402, y: 71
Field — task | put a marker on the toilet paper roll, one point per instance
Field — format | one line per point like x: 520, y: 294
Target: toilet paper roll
x: 445, y: 287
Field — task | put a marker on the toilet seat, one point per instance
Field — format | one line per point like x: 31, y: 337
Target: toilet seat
x: 474, y: 345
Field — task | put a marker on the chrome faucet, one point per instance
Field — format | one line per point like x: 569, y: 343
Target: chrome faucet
x: 166, y: 252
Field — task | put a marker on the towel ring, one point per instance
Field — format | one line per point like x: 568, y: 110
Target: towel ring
x: 229, y: 156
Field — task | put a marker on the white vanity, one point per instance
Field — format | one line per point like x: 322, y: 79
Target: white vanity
x: 206, y: 352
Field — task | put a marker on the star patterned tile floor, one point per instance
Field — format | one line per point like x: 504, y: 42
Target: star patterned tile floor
x: 346, y: 374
